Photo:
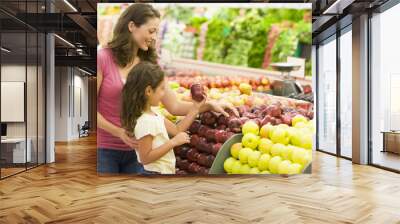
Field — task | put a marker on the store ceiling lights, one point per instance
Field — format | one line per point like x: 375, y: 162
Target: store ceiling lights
x: 5, y: 50
x: 70, y: 5
x: 65, y: 41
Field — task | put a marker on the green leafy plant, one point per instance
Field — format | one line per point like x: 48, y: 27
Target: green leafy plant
x: 285, y: 45
x: 196, y: 22
x: 303, y: 30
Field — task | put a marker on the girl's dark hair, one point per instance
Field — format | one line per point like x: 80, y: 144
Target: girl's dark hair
x: 122, y: 43
x: 134, y: 97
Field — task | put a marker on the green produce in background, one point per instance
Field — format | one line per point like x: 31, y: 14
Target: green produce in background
x: 241, y: 40
x: 238, y: 54
x: 182, y: 14
x: 217, y: 31
x: 285, y: 45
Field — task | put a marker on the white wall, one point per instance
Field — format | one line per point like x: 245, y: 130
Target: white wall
x: 61, y: 103
x: 13, y: 73
x: 71, y: 93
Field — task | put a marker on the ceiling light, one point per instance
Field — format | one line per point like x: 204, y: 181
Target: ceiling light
x: 64, y: 40
x: 5, y: 49
x: 70, y: 5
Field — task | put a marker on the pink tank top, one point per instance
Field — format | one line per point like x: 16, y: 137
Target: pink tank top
x: 109, y: 100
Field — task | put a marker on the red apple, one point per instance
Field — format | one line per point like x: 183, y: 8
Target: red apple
x: 194, y: 127
x: 210, y: 160
x: 235, y: 124
x: 249, y: 115
x: 220, y: 136
x: 229, y: 135
x: 203, y: 130
x: 215, y: 148
x: 221, y: 127
x: 287, y: 119
x: 210, y: 134
x: 183, y: 152
x: 267, y: 119
x: 274, y: 110
x: 202, y: 159
x: 184, y: 164
x: 177, y: 149
x: 262, y: 107
x: 192, y: 154
x: 208, y: 118
x: 304, y: 105
x: 242, y: 109
x: 302, y: 112
x: 194, y: 140
x: 203, y: 170
x: 197, y: 92
x: 203, y: 146
x: 225, y: 83
x: 257, y: 121
x: 307, y: 89
x: 193, y: 167
x: 222, y: 120
x: 243, y: 120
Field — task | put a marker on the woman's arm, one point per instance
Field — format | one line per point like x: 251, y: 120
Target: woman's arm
x: 108, y: 126
x: 181, y: 108
x: 148, y: 155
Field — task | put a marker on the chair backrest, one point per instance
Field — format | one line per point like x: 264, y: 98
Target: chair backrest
x: 86, y: 125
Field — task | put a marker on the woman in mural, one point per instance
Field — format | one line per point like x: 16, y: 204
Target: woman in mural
x: 133, y: 41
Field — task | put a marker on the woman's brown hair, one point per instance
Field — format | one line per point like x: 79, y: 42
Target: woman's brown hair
x: 122, y: 43
x: 134, y: 97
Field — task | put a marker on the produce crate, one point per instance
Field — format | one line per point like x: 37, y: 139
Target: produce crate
x: 224, y: 153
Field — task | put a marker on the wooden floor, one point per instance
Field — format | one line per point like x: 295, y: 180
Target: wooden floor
x: 5, y: 172
x: 70, y: 191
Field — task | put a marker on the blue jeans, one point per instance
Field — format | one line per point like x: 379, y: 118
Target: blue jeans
x: 118, y: 161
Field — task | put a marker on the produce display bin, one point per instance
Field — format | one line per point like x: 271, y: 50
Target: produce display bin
x: 224, y: 153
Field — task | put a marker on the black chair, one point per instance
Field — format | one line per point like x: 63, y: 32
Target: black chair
x: 84, y: 130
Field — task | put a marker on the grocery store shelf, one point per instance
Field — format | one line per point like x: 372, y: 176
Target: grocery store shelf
x: 229, y: 70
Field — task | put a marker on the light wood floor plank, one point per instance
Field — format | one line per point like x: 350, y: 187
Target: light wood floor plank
x: 70, y: 191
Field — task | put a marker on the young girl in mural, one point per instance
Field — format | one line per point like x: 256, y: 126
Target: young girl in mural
x: 141, y: 97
